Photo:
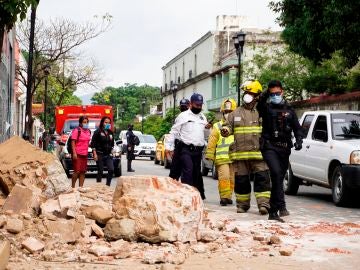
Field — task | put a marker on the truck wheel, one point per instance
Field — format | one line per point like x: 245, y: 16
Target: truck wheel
x: 204, y: 170
x: 152, y: 158
x: 291, y: 183
x: 340, y: 192
x: 156, y: 161
x: 166, y: 163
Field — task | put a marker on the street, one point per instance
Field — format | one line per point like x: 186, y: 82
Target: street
x: 312, y: 203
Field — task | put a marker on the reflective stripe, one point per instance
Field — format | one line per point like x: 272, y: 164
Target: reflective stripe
x: 264, y: 194
x: 247, y: 130
x: 246, y: 155
x: 242, y: 197
x: 222, y: 147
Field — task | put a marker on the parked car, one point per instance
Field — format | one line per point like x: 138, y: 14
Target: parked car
x: 66, y: 161
x: 330, y: 156
x: 147, y: 146
x: 122, y: 137
x: 160, y: 157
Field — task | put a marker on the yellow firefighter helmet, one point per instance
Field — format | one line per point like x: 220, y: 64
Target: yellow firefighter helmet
x: 228, y: 105
x: 252, y: 87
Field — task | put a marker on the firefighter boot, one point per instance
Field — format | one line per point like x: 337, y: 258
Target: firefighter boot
x: 223, y: 202
x: 263, y: 205
x: 242, y: 206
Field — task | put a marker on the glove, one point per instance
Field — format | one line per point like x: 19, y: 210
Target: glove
x: 298, y: 146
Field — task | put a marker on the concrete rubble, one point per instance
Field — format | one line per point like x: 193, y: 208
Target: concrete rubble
x: 149, y: 219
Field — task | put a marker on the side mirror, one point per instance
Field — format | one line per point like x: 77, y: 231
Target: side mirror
x: 321, y: 135
x: 119, y: 142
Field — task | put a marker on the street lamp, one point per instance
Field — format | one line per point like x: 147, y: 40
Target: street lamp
x: 142, y: 118
x: 46, y: 69
x: 174, y: 90
x: 239, y: 41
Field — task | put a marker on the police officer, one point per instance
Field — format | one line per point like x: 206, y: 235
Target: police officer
x: 245, y: 125
x: 218, y: 151
x: 278, y: 121
x: 130, y: 138
x: 189, y: 129
x: 184, y: 104
x: 175, y: 170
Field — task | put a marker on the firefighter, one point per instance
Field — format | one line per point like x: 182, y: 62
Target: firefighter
x: 244, y: 123
x: 279, y: 121
x: 218, y: 151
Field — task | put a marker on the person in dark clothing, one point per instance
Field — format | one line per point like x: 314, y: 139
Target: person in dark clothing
x: 102, y: 144
x: 130, y: 137
x: 278, y: 122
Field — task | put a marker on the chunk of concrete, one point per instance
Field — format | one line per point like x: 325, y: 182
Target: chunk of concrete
x: 4, y: 254
x: 163, y: 209
x: 14, y: 225
x: 33, y: 245
x: 19, y: 200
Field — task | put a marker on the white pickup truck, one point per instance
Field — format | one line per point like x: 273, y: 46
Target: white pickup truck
x: 330, y: 156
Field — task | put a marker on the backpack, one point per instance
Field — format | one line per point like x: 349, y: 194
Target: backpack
x: 69, y: 148
x: 136, y: 140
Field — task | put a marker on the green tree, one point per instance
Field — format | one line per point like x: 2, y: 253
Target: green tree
x: 10, y: 12
x: 127, y: 99
x: 316, y: 29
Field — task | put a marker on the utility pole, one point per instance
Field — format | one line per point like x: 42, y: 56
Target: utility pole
x: 30, y: 79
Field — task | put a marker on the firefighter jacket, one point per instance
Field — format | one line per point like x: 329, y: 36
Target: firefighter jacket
x: 218, y: 146
x: 245, y: 125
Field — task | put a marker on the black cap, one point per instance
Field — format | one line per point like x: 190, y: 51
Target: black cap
x: 184, y: 102
x: 197, y: 99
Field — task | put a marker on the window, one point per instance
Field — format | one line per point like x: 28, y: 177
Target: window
x: 179, y: 80
x: 190, y: 74
x: 307, y: 123
x: 320, y: 129
x: 345, y: 126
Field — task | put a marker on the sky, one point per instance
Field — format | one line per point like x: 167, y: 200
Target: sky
x: 146, y: 34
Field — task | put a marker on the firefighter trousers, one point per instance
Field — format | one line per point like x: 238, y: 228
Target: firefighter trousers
x: 226, y: 180
x: 257, y: 171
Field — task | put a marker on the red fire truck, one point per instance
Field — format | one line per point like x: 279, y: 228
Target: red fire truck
x: 67, y: 117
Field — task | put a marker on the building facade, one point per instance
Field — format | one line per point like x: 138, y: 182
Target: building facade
x: 209, y: 66
x: 7, y: 78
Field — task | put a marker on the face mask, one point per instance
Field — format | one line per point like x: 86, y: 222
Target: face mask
x: 276, y: 99
x: 85, y: 125
x: 183, y: 108
x: 248, y: 98
x: 196, y: 110
x: 107, y: 126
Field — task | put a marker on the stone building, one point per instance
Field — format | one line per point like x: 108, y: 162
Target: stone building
x: 209, y: 65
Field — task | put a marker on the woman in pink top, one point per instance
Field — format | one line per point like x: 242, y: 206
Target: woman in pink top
x: 80, y: 138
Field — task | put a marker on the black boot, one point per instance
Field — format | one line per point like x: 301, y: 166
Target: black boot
x: 223, y: 202
x: 275, y: 216
x: 229, y: 201
x: 129, y: 166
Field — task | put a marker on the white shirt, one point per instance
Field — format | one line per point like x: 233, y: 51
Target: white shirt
x: 188, y: 128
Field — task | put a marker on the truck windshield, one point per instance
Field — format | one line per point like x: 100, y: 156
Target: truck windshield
x: 345, y: 126
x: 71, y: 124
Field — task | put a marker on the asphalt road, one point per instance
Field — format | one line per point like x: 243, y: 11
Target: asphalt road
x: 311, y: 204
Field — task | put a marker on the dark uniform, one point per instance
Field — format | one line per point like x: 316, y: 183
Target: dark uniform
x: 278, y: 123
x: 103, y: 142
x: 130, y: 156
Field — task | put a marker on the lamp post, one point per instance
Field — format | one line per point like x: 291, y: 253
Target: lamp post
x: 46, y: 69
x: 174, y: 90
x: 142, y: 118
x: 239, y: 41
